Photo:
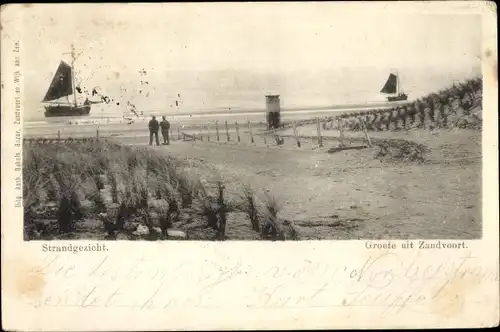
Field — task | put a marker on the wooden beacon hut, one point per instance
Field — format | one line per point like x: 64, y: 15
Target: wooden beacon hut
x: 273, y: 116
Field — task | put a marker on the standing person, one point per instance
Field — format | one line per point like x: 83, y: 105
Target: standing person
x: 165, y: 127
x: 153, y: 130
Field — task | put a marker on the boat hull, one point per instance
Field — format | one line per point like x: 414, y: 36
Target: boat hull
x: 66, y: 110
x: 400, y: 97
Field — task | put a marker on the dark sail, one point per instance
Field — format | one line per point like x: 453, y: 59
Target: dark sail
x: 391, y: 84
x: 61, y: 85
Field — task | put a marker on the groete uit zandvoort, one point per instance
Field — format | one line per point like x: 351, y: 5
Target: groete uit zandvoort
x: 421, y: 244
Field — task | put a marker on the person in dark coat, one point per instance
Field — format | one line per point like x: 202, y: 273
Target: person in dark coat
x: 165, y: 127
x: 153, y: 130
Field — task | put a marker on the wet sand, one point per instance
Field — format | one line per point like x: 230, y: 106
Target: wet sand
x: 117, y: 126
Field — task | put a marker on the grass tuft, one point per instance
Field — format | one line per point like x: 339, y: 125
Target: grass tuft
x: 250, y: 207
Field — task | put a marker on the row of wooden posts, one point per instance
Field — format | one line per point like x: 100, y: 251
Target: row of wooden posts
x: 59, y: 135
x: 295, y: 133
x: 228, y: 137
x: 252, y: 140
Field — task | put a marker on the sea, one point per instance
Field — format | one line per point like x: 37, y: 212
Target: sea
x: 200, y: 100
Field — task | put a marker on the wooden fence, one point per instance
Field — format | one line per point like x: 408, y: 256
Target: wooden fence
x: 246, y: 135
x: 241, y: 135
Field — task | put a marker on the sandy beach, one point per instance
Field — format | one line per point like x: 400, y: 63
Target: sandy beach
x: 351, y: 194
x: 348, y: 194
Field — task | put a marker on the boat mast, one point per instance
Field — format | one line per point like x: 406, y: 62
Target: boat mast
x: 73, y: 72
x: 397, y: 83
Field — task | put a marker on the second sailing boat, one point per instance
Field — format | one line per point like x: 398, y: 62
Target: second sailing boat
x: 392, y: 86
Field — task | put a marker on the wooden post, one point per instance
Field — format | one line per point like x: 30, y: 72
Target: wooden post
x: 250, y: 131
x: 318, y: 129
x: 217, y: 130
x: 237, y: 131
x: 58, y: 135
x: 295, y: 133
x: 97, y: 132
x: 366, y: 133
x: 178, y: 134
x: 341, y: 129
x: 227, y: 132
x: 201, y: 132
x: 208, y: 133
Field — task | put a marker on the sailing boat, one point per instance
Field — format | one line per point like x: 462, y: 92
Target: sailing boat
x: 392, y: 86
x: 63, y: 85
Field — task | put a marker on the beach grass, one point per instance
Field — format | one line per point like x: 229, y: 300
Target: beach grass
x: 127, y: 192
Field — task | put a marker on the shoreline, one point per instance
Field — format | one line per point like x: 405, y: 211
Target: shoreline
x: 194, y: 123
x: 238, y: 112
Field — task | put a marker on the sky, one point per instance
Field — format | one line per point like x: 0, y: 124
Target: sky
x: 118, y: 40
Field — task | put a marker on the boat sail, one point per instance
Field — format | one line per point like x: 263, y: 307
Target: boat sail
x: 392, y: 86
x: 63, y: 86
